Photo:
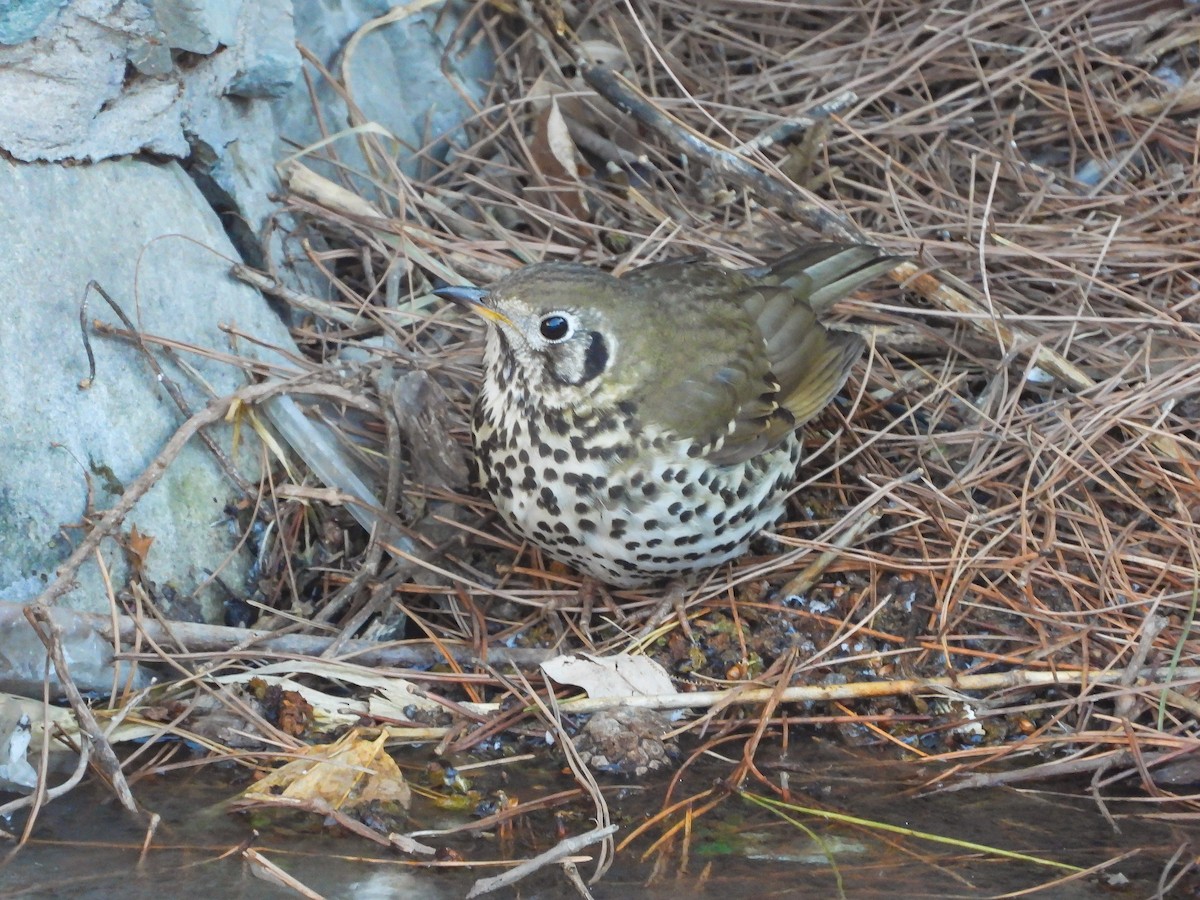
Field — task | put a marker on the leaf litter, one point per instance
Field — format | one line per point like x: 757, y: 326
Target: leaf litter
x: 990, y: 563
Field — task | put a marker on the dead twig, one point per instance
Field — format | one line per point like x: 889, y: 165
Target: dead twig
x: 51, y: 635
x: 567, y: 847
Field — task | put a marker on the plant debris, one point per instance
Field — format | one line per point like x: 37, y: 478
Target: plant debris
x: 991, y: 562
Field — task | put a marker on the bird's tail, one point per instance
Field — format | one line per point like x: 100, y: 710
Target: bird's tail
x: 811, y: 360
x: 828, y: 272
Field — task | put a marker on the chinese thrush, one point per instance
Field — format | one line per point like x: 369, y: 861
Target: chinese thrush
x: 644, y: 427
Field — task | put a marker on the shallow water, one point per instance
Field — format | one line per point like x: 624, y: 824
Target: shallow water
x: 83, y: 846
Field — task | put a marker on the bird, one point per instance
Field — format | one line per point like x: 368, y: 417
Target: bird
x: 643, y: 428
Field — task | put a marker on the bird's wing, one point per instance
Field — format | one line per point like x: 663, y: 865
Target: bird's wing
x: 810, y: 360
x: 710, y: 382
x: 763, y: 363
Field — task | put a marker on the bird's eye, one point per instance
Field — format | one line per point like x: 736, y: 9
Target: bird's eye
x: 554, y: 327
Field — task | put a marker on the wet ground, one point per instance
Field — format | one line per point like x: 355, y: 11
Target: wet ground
x: 83, y: 846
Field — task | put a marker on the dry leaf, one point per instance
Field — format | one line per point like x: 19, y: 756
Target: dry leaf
x: 622, y: 675
x: 556, y: 157
x: 346, y: 776
x: 139, y: 547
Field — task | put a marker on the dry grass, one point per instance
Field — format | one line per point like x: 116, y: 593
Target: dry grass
x: 1042, y: 162
x: 989, y: 516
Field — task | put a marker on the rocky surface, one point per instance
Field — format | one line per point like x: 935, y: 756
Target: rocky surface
x: 139, y: 142
x: 143, y: 231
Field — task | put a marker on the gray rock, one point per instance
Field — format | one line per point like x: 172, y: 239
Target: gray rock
x: 98, y: 80
x: 145, y: 233
x: 198, y: 26
x: 268, y: 63
x: 65, y: 92
x: 22, y: 20
x: 69, y: 94
x: 88, y: 650
x: 398, y: 76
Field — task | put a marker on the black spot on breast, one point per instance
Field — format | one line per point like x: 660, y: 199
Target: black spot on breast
x: 548, y: 502
x: 587, y: 524
x: 561, y: 456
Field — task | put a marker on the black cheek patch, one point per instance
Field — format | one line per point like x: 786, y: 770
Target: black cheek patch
x: 596, y: 358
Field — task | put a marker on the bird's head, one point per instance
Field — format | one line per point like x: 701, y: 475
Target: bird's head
x: 557, y: 329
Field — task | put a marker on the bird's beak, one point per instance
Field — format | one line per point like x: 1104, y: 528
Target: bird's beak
x: 472, y: 299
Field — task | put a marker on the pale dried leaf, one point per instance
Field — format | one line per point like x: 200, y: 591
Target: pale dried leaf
x: 622, y: 675
x: 347, y: 775
x: 559, y: 143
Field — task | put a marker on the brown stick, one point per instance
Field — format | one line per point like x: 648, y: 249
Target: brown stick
x: 51, y: 635
x: 200, y: 639
x: 621, y: 93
